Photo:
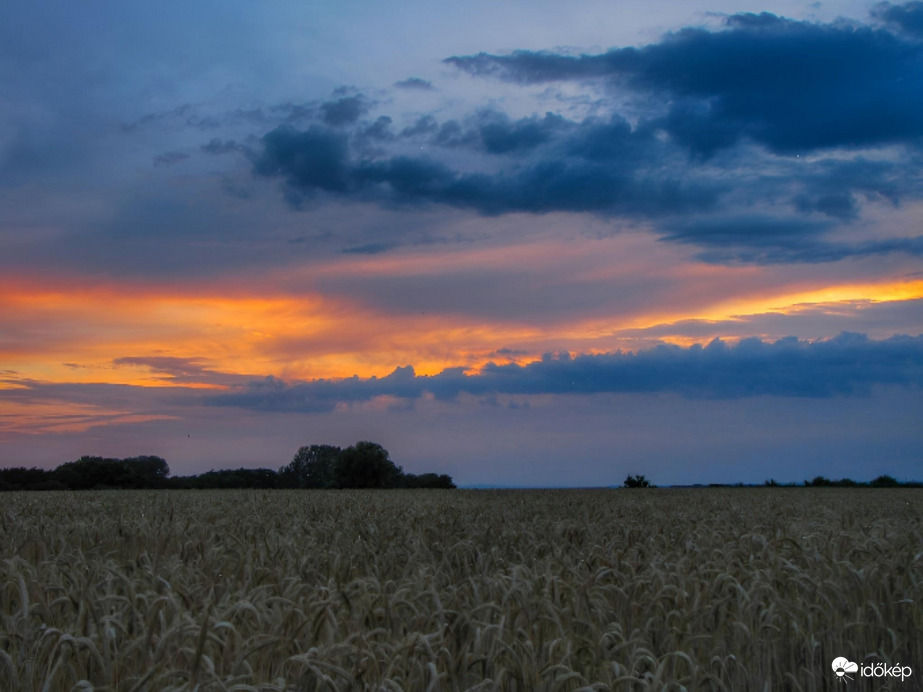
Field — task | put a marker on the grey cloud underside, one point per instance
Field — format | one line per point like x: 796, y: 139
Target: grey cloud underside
x: 848, y: 365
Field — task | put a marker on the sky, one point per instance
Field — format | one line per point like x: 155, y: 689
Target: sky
x: 522, y: 243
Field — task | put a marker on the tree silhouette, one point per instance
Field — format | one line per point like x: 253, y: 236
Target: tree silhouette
x: 637, y: 481
x: 885, y: 482
x: 312, y: 467
x: 366, y: 465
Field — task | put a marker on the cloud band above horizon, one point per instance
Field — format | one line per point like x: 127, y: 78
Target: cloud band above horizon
x: 847, y: 365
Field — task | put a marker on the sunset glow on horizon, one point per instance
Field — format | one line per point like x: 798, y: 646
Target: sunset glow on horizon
x: 694, y: 219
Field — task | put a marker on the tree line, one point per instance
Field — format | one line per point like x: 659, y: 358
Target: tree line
x: 639, y: 481
x: 880, y: 482
x: 883, y: 481
x: 363, y: 465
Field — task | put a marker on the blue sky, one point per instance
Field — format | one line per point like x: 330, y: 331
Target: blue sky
x: 520, y: 243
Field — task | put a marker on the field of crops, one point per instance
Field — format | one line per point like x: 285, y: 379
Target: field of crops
x: 712, y: 589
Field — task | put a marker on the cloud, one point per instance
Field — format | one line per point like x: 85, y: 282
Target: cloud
x: 840, y: 205
x: 500, y: 135
x: 379, y: 130
x: 344, y: 111
x: 754, y: 239
x: 806, y: 320
x: 493, y: 132
x: 771, y: 240
x: 623, y: 155
x: 424, y: 125
x: 415, y: 83
x: 848, y: 365
x: 792, y: 86
x: 907, y: 17
x: 181, y: 370
x: 319, y: 159
x: 34, y: 407
x: 312, y: 159
x: 712, y: 109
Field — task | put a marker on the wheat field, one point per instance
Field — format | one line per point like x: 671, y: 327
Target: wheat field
x: 710, y: 589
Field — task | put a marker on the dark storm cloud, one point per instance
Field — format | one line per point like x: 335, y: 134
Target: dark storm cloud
x: 312, y: 159
x: 319, y: 159
x: 500, y: 135
x: 544, y: 187
x: 790, y: 85
x: 611, y: 139
x: 494, y: 132
x: 848, y: 365
x: 907, y: 17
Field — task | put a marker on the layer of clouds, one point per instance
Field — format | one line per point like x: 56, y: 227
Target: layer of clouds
x: 810, y: 121
x: 773, y: 240
x: 319, y: 160
x: 881, y: 320
x: 173, y: 370
x: 848, y: 365
x: 803, y: 122
x: 792, y: 86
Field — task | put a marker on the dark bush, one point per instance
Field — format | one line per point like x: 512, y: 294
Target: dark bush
x: 636, y: 481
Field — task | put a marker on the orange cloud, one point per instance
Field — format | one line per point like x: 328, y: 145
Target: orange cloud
x: 69, y: 331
